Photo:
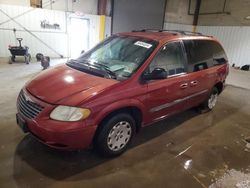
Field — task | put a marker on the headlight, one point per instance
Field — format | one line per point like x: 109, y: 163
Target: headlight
x: 68, y: 113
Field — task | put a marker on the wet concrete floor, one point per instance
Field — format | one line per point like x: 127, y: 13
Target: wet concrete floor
x: 187, y: 150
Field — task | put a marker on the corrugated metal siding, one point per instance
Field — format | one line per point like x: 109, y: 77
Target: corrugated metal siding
x: 235, y: 39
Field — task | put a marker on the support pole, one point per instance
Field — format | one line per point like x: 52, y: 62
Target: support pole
x: 101, y: 10
x: 102, y: 27
x: 196, y: 15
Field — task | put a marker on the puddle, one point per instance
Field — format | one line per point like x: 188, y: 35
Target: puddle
x: 188, y: 164
x: 232, y: 179
x: 247, y: 141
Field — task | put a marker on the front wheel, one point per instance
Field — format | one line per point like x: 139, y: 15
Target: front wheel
x: 115, y: 135
x: 210, y: 103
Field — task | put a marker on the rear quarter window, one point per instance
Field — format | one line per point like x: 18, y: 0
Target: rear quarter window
x: 219, y: 55
x: 202, y: 54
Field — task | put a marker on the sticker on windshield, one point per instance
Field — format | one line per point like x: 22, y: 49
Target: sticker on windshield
x: 143, y: 44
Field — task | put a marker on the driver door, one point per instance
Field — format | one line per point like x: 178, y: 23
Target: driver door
x: 168, y: 96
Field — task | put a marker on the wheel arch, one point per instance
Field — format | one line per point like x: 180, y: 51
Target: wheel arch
x: 219, y: 86
x: 132, y: 109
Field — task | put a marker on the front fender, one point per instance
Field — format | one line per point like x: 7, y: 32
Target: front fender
x: 119, y: 105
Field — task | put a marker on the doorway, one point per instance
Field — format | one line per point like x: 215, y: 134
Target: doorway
x: 79, y: 36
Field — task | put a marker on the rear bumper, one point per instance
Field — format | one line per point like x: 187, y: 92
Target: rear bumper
x: 59, y: 135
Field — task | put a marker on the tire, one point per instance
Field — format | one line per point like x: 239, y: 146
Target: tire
x: 45, y: 62
x: 29, y: 57
x: 13, y: 58
x: 26, y: 59
x: 115, y: 135
x: 210, y: 103
x: 39, y: 56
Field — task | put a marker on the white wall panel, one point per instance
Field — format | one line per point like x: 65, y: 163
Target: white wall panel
x: 56, y: 39
x: 32, y: 19
x: 235, y: 39
x: 85, y: 6
x: 16, y: 2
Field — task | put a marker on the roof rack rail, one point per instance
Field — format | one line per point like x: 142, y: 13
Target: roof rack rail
x: 170, y: 31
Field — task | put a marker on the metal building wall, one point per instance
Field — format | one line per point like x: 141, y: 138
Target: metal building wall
x: 140, y: 14
x: 235, y: 39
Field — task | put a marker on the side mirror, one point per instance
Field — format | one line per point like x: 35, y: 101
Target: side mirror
x: 156, y: 74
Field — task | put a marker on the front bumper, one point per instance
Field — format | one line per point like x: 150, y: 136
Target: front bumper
x: 56, y: 134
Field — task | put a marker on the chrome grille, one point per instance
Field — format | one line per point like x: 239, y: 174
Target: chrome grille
x: 26, y: 107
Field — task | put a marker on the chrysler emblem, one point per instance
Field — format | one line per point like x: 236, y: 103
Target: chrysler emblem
x: 26, y: 97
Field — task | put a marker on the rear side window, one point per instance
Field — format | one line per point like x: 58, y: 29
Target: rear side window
x: 202, y: 54
x: 219, y: 55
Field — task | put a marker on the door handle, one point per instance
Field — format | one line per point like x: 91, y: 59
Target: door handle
x: 193, y: 83
x: 184, y: 86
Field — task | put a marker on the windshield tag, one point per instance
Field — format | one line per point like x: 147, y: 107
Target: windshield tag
x: 143, y: 44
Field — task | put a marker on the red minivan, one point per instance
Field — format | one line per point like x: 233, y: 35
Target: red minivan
x: 126, y: 82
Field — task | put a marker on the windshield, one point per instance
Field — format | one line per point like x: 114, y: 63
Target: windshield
x: 118, y: 57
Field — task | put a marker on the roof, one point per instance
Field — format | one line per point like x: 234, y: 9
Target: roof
x: 159, y: 35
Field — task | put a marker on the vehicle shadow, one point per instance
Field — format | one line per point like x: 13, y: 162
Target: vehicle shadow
x: 32, y: 157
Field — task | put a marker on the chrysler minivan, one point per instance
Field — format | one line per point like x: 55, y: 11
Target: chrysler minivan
x: 126, y: 82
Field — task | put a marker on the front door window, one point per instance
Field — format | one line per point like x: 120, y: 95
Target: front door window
x: 170, y: 58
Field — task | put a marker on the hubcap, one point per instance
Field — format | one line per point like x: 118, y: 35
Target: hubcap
x: 212, y: 100
x: 119, y: 136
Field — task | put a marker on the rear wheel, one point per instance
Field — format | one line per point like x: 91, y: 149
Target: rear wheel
x: 210, y: 103
x: 115, y: 135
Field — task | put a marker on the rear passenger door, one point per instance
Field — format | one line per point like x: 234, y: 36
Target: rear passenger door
x: 200, y: 75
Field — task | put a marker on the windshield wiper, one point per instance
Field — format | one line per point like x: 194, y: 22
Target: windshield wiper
x: 96, y: 65
x: 103, y: 67
x: 72, y: 61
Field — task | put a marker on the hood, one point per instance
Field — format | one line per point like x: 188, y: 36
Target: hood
x: 61, y: 82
